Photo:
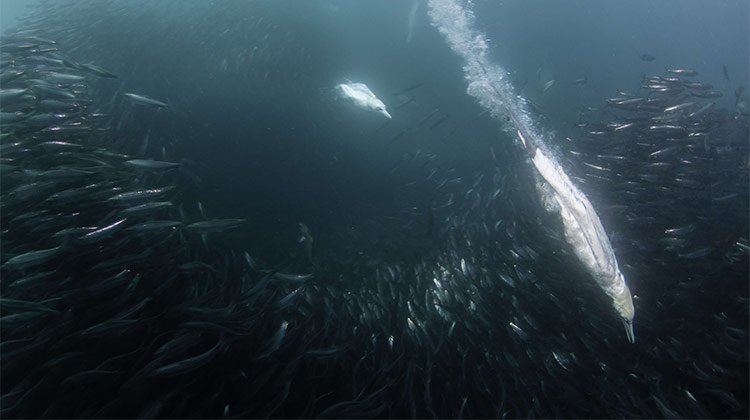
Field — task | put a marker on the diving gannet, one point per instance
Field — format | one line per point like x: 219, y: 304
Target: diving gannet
x: 583, y: 230
x: 361, y: 96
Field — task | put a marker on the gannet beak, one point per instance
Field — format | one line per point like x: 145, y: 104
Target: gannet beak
x: 629, y: 330
x: 384, y: 112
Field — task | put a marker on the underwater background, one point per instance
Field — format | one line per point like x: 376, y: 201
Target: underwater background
x: 295, y: 255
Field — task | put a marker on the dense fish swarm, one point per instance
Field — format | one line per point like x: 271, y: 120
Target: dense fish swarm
x: 123, y: 296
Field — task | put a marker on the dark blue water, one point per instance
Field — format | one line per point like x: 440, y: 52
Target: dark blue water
x: 400, y: 203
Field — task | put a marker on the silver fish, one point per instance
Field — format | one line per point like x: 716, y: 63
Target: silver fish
x: 102, y: 233
x: 32, y: 258
x: 146, y: 207
x: 144, y: 100
x: 215, y: 225
x: 155, y: 225
x: 131, y: 196
x: 151, y: 164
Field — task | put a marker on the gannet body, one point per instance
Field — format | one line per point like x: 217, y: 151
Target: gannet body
x: 361, y: 96
x: 585, y: 233
x: 489, y: 84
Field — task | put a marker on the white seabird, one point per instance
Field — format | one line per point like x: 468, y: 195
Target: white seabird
x: 583, y: 231
x: 361, y: 95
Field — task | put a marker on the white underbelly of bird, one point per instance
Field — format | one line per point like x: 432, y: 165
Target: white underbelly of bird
x: 584, y: 232
x: 362, y: 97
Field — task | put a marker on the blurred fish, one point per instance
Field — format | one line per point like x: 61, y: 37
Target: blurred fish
x: 412, y: 86
x: 32, y: 258
x: 146, y: 208
x: 292, y: 278
x: 439, y: 121
x: 140, y: 99
x: 155, y: 225
x: 307, y: 238
x: 130, y: 197
x: 412, y: 20
x: 187, y: 365
x: 683, y: 72
x: 547, y: 85
x: 708, y: 94
x: 8, y: 96
x: 151, y: 164
x: 63, y: 78
x: 678, y: 107
x: 215, y: 225
x: 102, y: 233
x: 274, y: 342
x: 97, y: 71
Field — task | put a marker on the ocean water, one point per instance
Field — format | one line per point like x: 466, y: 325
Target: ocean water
x: 437, y: 278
